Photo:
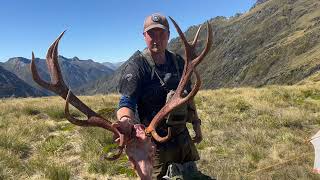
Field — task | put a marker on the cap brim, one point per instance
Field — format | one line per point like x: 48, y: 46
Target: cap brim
x: 155, y: 26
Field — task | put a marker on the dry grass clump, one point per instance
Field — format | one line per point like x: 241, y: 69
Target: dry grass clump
x: 248, y: 134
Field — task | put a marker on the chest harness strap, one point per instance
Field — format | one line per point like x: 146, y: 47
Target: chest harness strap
x: 178, y: 113
x: 147, y: 56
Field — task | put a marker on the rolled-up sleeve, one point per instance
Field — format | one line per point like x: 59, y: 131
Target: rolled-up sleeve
x: 129, y: 102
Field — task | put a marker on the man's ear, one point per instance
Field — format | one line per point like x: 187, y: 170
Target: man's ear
x: 144, y: 35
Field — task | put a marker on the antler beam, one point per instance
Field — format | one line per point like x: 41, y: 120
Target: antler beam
x: 58, y: 86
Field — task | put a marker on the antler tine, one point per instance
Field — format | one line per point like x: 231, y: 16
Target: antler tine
x: 185, y: 42
x: 183, y: 38
x: 195, y: 88
x: 71, y: 118
x: 196, y: 37
x: 52, y: 62
x: 100, y: 121
x: 96, y: 121
x: 191, y: 61
x: 196, y: 61
x: 35, y: 74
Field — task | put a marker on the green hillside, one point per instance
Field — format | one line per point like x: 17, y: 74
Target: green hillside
x: 276, y: 42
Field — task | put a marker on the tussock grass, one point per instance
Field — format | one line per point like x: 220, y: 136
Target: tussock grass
x: 246, y: 132
x: 37, y: 142
x: 58, y: 173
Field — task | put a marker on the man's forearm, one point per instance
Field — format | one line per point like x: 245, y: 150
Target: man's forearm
x: 125, y: 122
x: 192, y: 112
x: 125, y: 112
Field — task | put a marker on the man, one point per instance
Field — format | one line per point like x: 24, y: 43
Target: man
x: 146, y: 81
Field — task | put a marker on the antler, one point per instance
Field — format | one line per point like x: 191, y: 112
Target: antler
x: 58, y: 86
x: 191, y: 61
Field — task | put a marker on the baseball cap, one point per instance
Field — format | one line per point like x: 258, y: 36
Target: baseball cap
x: 155, y: 20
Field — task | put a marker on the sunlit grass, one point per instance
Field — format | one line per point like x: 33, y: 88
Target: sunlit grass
x: 246, y: 132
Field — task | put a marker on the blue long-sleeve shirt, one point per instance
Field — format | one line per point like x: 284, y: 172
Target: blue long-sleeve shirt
x: 129, y: 102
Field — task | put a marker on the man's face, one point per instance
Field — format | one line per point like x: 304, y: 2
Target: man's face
x: 156, y: 40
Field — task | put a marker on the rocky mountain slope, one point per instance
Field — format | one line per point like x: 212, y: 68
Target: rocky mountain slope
x: 12, y: 86
x: 105, y: 84
x: 276, y: 42
x: 75, y: 72
x: 113, y: 66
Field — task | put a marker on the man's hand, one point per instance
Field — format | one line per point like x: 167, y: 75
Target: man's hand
x: 197, y: 129
x: 125, y: 126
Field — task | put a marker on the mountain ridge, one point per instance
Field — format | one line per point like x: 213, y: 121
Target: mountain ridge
x: 75, y: 72
x: 12, y: 86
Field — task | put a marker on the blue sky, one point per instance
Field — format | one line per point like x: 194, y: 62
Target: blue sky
x: 102, y: 30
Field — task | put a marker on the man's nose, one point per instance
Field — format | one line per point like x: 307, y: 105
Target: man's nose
x: 156, y: 37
